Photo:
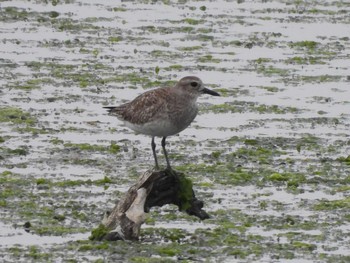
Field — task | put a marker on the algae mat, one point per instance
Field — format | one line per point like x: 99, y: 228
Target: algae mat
x: 270, y: 157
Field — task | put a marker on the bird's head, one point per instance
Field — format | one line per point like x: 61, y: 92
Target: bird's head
x: 195, y: 86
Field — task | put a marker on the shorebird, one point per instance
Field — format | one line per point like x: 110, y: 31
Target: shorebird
x: 163, y: 112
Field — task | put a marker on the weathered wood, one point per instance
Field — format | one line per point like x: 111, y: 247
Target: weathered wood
x: 154, y: 188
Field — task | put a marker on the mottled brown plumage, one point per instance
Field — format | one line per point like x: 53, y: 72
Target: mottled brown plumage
x: 164, y: 111
x: 143, y: 108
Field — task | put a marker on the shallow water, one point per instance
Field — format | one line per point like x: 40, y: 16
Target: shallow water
x: 270, y: 157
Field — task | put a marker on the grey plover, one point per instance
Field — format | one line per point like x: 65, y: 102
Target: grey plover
x: 163, y: 112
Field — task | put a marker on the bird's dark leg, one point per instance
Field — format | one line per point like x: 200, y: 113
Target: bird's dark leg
x: 165, y: 153
x: 154, y: 152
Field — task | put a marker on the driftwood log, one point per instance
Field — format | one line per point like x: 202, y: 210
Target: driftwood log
x: 154, y: 188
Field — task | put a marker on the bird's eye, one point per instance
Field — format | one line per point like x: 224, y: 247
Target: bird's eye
x: 194, y: 84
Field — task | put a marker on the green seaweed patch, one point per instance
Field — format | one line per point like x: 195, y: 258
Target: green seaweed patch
x: 32, y: 84
x: 164, y: 54
x: 207, y: 59
x: 185, y: 192
x: 308, y: 142
x: 147, y: 259
x: 56, y: 141
x: 29, y: 206
x: 271, y: 70
x: 192, y: 21
x: 167, y: 30
x: 3, y: 203
x: 189, y: 21
x: 94, y: 246
x: 205, y: 30
x: 42, y: 181
x: 69, y: 24
x: 345, y: 160
x: 238, y: 177
x: 35, y: 253
x: 304, y: 246
x: 13, y: 13
x: 276, y: 109
x: 231, y: 92
x: 344, y: 188
x: 174, y: 67
x: 317, y: 11
x: 270, y: 88
x: 308, y: 45
x: 99, y: 233
x: 224, y: 173
x: 37, y: 66
x: 153, y: 84
x: 299, y: 235
x: 216, y: 154
x: 113, y: 148
x: 309, y: 60
x: 32, y: 130
x: 262, y: 60
x: 244, y: 245
x: 190, y: 48
x: 200, y: 37
x: 9, y: 177
x: 320, y: 79
x: 16, y: 116
x: 7, y: 63
x: 11, y: 187
x: 290, y: 222
x: 55, y: 229
x: 168, y: 250
x: 16, y: 251
x: 251, y: 142
x: 206, y: 185
x: 54, y: 14
x: 260, y: 153
x: 277, y: 177
x: 118, y: 9
x: 22, y: 151
x: 333, y: 205
x: 293, y: 180
x: 19, y: 14
x: 82, y: 75
x: 245, y: 106
x: 85, y: 146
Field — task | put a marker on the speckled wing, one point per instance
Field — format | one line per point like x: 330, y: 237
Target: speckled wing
x: 144, y: 108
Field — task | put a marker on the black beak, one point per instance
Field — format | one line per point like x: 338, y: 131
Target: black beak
x: 210, y: 92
